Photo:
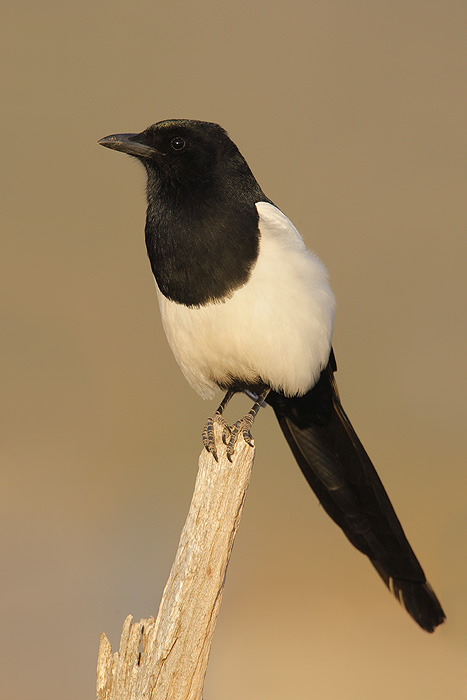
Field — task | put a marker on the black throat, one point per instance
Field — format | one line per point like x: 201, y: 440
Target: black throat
x: 202, y: 238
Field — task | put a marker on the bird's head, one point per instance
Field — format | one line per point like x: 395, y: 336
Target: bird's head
x: 179, y: 150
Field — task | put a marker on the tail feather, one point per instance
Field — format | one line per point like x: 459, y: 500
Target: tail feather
x: 338, y: 469
x: 419, y: 599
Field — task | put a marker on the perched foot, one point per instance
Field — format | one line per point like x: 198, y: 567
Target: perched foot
x: 208, y: 431
x: 230, y: 433
x: 209, y: 441
x: 243, y: 427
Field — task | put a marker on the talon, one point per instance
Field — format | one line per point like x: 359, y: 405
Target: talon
x: 247, y: 425
x: 234, y: 430
x: 225, y: 427
x: 208, y: 438
x: 248, y: 438
x: 212, y: 451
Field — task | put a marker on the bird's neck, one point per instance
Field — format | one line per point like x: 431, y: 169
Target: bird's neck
x: 202, y: 246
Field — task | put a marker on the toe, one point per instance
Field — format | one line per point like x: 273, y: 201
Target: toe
x: 248, y: 438
x: 209, y: 441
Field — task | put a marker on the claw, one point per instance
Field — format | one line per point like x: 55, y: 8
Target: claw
x: 209, y: 440
x: 248, y: 438
x: 242, y: 426
x: 234, y: 431
x: 247, y: 422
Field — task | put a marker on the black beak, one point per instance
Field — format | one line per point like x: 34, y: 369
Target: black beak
x: 133, y: 144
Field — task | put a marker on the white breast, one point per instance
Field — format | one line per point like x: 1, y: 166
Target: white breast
x: 278, y: 326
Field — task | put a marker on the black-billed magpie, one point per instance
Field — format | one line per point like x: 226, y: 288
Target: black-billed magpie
x: 246, y: 307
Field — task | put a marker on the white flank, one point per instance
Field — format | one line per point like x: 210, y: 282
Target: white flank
x: 278, y: 326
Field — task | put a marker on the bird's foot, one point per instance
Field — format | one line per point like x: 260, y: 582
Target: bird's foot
x: 209, y: 440
x: 231, y: 433
x: 243, y: 427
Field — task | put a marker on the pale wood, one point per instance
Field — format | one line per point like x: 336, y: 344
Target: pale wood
x: 175, y: 646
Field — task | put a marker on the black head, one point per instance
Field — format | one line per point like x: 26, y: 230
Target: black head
x: 202, y: 224
x: 182, y: 151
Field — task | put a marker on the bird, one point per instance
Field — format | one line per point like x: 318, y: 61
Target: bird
x: 246, y: 307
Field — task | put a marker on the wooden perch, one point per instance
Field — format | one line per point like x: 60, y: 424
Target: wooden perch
x: 175, y: 647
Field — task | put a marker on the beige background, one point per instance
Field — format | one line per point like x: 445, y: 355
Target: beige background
x: 352, y: 116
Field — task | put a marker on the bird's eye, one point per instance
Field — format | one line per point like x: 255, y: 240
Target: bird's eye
x: 178, y: 144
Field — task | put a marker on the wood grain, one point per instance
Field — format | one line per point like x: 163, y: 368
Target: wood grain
x: 166, y: 658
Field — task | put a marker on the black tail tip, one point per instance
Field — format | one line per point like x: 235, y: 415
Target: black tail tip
x: 420, y: 601
x: 417, y: 597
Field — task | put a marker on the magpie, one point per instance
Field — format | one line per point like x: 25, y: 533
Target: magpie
x: 247, y: 308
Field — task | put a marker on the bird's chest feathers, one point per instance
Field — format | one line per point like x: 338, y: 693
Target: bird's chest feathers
x: 274, y: 329
x: 201, y: 254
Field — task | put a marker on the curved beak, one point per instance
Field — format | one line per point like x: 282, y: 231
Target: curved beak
x: 133, y: 144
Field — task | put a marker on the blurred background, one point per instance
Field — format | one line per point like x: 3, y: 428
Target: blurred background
x: 352, y: 116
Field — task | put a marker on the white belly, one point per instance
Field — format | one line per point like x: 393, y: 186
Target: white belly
x: 277, y: 327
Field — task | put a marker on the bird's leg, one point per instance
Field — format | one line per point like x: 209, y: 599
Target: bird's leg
x: 208, y: 430
x: 245, y: 424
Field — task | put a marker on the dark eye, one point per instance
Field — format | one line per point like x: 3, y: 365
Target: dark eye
x: 178, y: 144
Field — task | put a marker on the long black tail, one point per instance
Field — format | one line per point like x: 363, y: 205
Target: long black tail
x: 339, y: 471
